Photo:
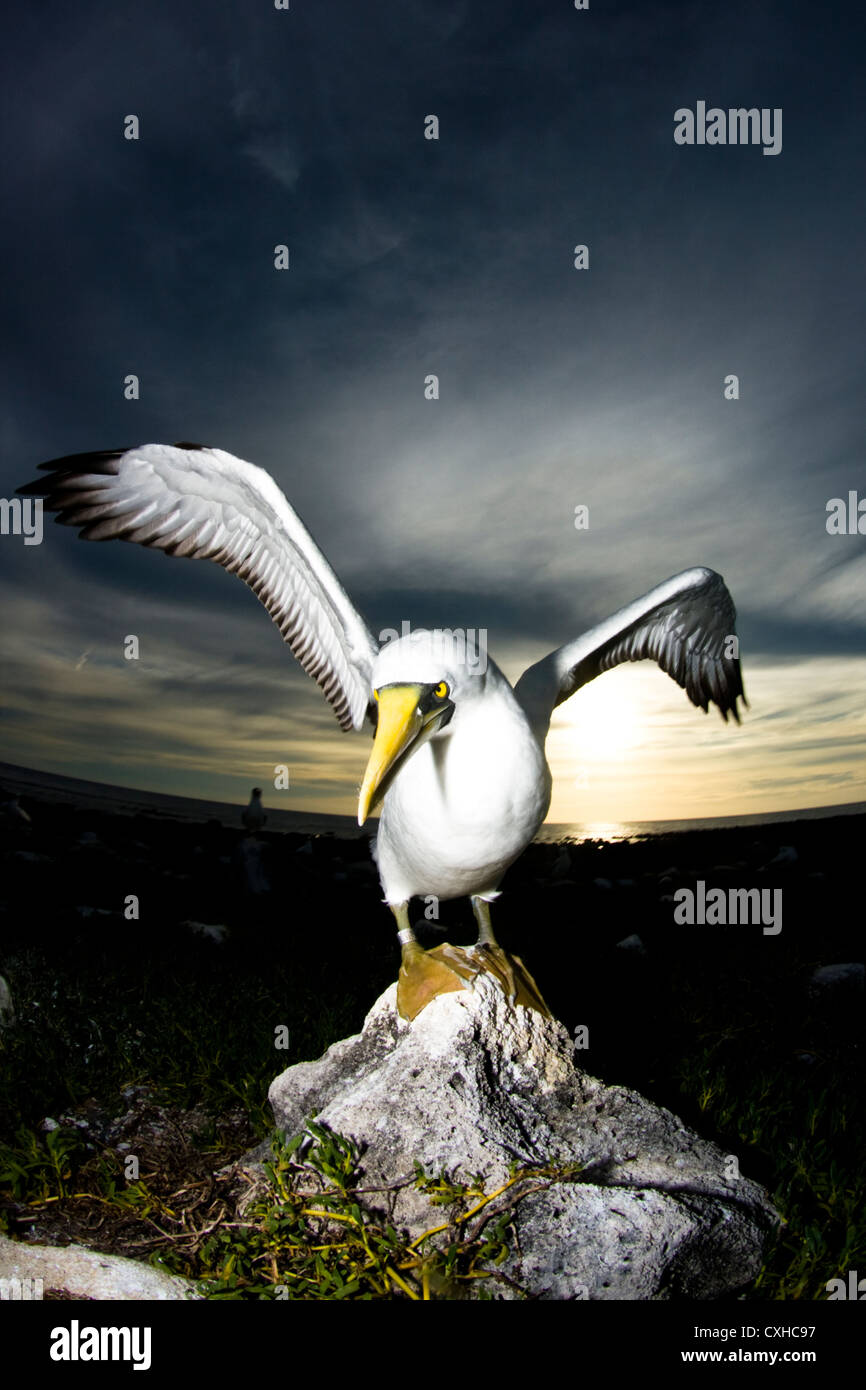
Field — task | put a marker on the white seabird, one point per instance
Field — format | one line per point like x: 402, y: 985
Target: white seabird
x: 458, y: 759
x: 253, y: 816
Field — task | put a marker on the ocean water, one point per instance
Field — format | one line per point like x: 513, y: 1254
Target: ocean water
x: 130, y: 801
x: 102, y: 796
x: 629, y: 830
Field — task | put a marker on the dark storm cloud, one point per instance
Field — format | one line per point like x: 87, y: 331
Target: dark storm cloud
x: 409, y: 257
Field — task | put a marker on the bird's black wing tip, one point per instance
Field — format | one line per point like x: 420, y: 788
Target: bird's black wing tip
x: 91, y: 461
x: 94, y: 461
x: 733, y: 708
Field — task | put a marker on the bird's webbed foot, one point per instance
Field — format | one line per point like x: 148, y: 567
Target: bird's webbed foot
x: 512, y: 975
x: 426, y: 974
x: 509, y: 971
x: 446, y: 968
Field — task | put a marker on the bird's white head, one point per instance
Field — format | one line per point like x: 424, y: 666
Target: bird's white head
x: 421, y: 681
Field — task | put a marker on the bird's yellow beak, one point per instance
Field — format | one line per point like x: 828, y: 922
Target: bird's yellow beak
x: 400, y: 723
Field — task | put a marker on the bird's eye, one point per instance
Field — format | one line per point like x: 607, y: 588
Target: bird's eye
x: 441, y: 690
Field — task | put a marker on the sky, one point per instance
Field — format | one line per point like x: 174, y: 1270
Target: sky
x: 559, y: 387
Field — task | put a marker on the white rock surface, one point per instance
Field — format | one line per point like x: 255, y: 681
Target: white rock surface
x: 87, y: 1274
x: 473, y: 1085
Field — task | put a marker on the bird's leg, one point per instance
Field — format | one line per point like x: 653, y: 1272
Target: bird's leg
x: 487, y: 943
x: 510, y: 971
x: 481, y: 908
x: 423, y: 974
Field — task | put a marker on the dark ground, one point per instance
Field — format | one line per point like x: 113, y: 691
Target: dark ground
x: 718, y: 1023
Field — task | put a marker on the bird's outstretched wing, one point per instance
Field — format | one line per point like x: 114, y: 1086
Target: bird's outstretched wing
x: 187, y: 499
x: 684, y: 624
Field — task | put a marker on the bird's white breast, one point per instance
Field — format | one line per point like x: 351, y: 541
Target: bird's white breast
x: 463, y: 806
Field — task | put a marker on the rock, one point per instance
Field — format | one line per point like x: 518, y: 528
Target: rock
x: 84, y: 1273
x: 12, y: 813
x: 632, y: 943
x: 473, y: 1086
x: 7, y: 1008
x: 838, y: 978
x: 787, y: 855
x: 211, y: 931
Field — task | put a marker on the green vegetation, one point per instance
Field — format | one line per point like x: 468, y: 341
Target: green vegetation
x: 303, y: 1244
x: 790, y: 1135
x: 306, y: 1234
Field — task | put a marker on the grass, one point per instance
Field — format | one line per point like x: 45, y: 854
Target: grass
x: 794, y: 1137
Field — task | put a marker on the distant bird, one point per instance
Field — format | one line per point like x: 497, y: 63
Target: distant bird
x: 458, y: 759
x: 253, y: 816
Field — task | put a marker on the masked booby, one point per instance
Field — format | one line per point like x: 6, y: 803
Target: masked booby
x: 458, y: 760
